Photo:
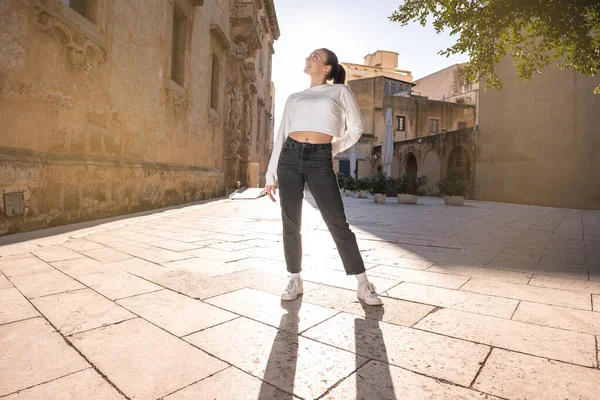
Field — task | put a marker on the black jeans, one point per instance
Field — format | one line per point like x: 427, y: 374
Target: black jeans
x: 309, y: 163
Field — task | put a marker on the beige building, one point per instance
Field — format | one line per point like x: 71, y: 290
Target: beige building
x: 413, y: 118
x: 449, y: 84
x: 380, y: 63
x: 110, y: 107
x: 539, y: 141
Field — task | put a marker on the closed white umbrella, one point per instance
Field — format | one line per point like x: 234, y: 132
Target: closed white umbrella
x: 353, y: 162
x: 387, y: 146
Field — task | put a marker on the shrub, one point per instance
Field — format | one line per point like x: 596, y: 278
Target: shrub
x: 453, y: 185
x: 415, y: 185
x: 378, y: 183
x: 362, y: 184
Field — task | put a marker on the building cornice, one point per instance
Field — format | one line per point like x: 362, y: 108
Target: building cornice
x: 270, y: 9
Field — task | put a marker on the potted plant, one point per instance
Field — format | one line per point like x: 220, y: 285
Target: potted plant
x: 378, y: 186
x: 362, y: 186
x: 350, y: 185
x: 454, y: 189
x: 410, y: 188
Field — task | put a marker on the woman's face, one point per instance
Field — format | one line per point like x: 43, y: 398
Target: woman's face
x: 315, y: 63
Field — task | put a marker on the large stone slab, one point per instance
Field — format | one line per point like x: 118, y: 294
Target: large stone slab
x: 266, y: 281
x: 409, y: 263
x: 14, y: 266
x: 86, y: 384
x: 523, y: 377
x: 269, y: 309
x: 31, y: 352
x: 395, y: 311
x: 434, y: 355
x: 559, y: 317
x: 424, y: 277
x: 529, y: 293
x: 216, y: 255
x: 118, y: 284
x: 5, y: 283
x: 80, y: 311
x: 106, y: 255
x: 176, y: 245
x: 56, y: 253
x: 204, y: 266
x: 557, y: 344
x: 230, y: 246
x: 14, y: 307
x: 290, y: 363
x: 573, y: 285
x: 480, y: 272
x: 377, y: 380
x: 579, y: 272
x: 339, y: 279
x: 219, y: 386
x: 175, y: 312
x: 45, y: 283
x: 139, y: 267
x: 79, y: 245
x: 196, y: 285
x: 158, y: 256
x: 448, y: 298
x: 82, y: 266
x: 144, y: 361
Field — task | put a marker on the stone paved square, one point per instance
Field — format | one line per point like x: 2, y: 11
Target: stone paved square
x: 485, y: 301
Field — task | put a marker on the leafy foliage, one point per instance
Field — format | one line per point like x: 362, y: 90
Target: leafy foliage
x: 362, y: 184
x: 533, y: 32
x: 379, y: 182
x: 414, y: 185
x: 453, y: 185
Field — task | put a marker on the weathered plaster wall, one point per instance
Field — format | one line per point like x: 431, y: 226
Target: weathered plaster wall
x: 539, y: 141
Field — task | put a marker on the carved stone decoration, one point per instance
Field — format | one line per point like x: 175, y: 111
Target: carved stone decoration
x: 242, y: 88
x: 85, y: 47
x: 220, y: 36
x: 178, y: 102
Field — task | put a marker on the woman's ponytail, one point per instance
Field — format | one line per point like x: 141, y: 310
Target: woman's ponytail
x: 337, y: 72
x: 340, y: 75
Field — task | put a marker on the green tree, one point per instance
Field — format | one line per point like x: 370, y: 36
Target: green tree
x: 533, y: 32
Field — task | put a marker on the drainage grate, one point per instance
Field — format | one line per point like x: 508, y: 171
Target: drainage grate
x: 13, y: 204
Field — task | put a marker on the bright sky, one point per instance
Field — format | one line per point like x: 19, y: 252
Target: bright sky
x: 352, y: 29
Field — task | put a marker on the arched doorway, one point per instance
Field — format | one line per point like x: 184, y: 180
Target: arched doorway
x: 458, y: 162
x: 431, y: 169
x: 411, y: 165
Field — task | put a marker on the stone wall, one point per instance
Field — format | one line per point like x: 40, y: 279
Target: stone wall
x: 94, y: 122
x: 538, y: 141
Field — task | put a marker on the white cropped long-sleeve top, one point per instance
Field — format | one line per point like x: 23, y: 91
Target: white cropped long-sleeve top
x: 329, y: 109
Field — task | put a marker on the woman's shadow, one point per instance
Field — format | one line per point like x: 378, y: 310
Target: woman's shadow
x: 283, y: 359
x: 374, y: 379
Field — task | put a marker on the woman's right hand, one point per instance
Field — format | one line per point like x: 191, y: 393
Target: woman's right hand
x: 271, y: 191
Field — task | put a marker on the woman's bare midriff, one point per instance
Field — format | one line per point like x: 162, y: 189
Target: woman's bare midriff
x: 311, y: 137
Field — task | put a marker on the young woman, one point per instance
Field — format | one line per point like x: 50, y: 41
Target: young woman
x: 312, y: 131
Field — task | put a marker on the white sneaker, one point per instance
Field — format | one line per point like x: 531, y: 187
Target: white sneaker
x: 368, y: 293
x: 293, y: 289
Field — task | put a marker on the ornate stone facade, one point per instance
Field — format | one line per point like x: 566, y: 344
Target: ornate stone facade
x: 123, y: 106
